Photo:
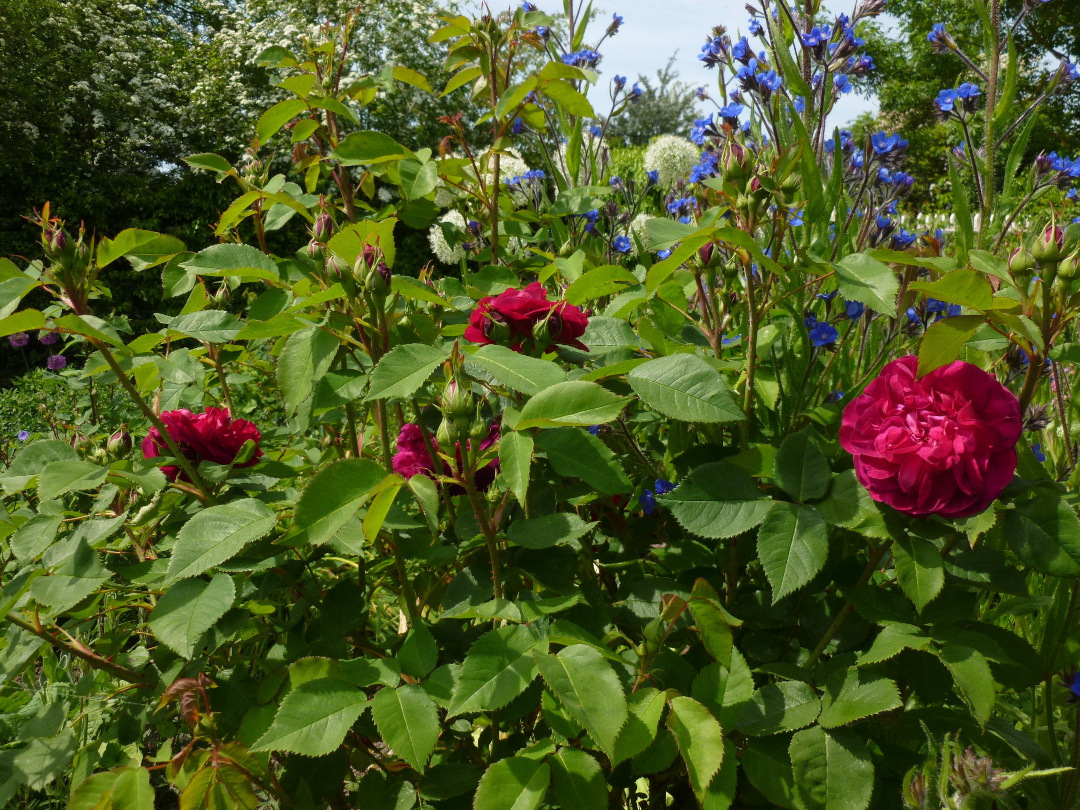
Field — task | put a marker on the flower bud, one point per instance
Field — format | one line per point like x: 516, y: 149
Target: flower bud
x: 317, y: 251
x: 56, y: 243
x: 457, y: 401
x: 478, y: 430
x: 1069, y: 267
x: 446, y: 435
x: 705, y: 252
x: 324, y: 228
x: 336, y: 268
x: 1048, y: 247
x: 81, y: 442
x: 119, y: 444
x: 548, y: 330
x: 495, y: 328
x: 1022, y: 263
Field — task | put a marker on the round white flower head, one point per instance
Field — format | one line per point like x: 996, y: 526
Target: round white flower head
x: 638, y: 234
x: 439, y: 246
x: 511, y: 165
x: 672, y: 157
x: 386, y: 194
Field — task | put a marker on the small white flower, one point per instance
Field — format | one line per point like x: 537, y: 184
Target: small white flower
x: 672, y: 157
x: 439, y: 246
x: 386, y: 194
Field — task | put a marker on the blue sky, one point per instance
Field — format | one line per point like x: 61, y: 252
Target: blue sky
x: 653, y: 30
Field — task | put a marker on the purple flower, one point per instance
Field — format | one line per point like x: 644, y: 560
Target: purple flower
x: 56, y: 362
x: 47, y: 338
x: 18, y: 340
x: 23, y: 435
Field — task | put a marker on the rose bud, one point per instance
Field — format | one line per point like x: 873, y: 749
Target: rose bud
x: 1021, y: 263
x: 1048, y: 247
x: 457, y: 401
x: 81, y: 442
x: 119, y: 444
x: 1069, y: 267
x: 56, y: 243
x: 705, y: 252
x: 324, y: 228
x: 336, y: 268
x: 317, y: 251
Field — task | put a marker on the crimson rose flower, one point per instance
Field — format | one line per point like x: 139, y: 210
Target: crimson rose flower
x: 941, y: 445
x: 208, y: 436
x: 412, y: 457
x: 517, y: 316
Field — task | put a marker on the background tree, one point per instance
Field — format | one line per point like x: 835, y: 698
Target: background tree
x: 666, y: 105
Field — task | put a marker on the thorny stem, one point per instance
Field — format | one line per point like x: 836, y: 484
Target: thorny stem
x: 1059, y: 402
x: 751, y: 358
x: 483, y: 517
x: 80, y: 650
x: 215, y: 358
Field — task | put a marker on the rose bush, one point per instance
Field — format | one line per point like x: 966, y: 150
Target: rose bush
x: 718, y: 488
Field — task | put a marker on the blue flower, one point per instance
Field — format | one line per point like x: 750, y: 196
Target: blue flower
x: 940, y: 39
x: 823, y: 334
x: 731, y: 112
x: 686, y: 220
x: 23, y: 435
x: 594, y: 430
x: 795, y: 219
x: 635, y: 92
x: 1040, y: 456
x: 620, y: 83
x: 730, y: 341
x: 582, y: 58
x: 653, y: 177
x: 817, y: 36
x: 903, y: 239
x: 946, y: 101
x: 518, y: 126
x: 741, y: 51
x: 800, y: 104
x: 941, y: 309
x: 542, y: 31
x: 1074, y: 686
x: 968, y: 91
x: 828, y: 296
x: 596, y: 131
x: 527, y: 6
x: 614, y: 25
x: 769, y: 81
x: 701, y: 129
x: 912, y: 315
x: 701, y: 94
x: 755, y: 28
x: 663, y: 254
x: 810, y: 321
x: 854, y: 310
x: 842, y: 83
x: 885, y: 144
x: 648, y: 502
x: 663, y: 486
x: 835, y: 396
x: 622, y: 244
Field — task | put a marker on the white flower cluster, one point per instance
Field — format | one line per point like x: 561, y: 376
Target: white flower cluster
x: 672, y: 157
x: 638, y: 234
x: 439, y: 246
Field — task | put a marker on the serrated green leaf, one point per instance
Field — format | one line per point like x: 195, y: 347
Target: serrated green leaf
x: 61, y: 477
x: 571, y: 403
x: 514, y: 783
x: 304, y: 361
x: 1045, y: 534
x: 334, y: 495
x: 685, y: 387
x: 188, y: 609
x: 800, y: 468
x: 919, y: 569
x: 277, y: 116
x: 866, y: 280
x: 973, y: 678
x: 548, y: 530
x: 717, y: 501
x: 700, y: 740
x: 210, y: 325
x: 408, y: 721
x: 891, y: 641
x: 777, y: 707
x: 964, y: 287
x: 856, y: 695
x: 646, y: 705
x: 368, y: 147
x: 518, y: 372
x: 314, y: 718
x: 404, y: 369
x: 575, y: 453
x: 498, y: 668
x: 515, y: 462
x: 578, y: 780
x: 793, y: 545
x: 833, y: 769
x: 942, y: 341
x: 215, y: 534
x: 585, y: 684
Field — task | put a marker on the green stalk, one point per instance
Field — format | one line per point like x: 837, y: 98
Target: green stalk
x: 79, y: 650
x: 989, y: 145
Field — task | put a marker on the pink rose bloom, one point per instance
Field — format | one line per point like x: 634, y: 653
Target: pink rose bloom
x: 941, y: 445
x: 412, y: 457
x: 209, y: 436
x: 513, y: 315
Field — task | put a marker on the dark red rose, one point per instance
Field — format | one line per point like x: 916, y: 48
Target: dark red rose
x: 209, y: 436
x: 944, y: 444
x: 412, y: 457
x: 517, y: 316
